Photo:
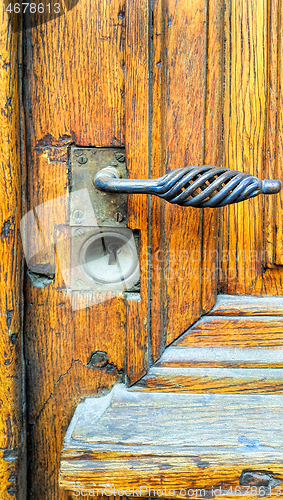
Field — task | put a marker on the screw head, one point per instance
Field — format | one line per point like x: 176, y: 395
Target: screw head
x: 79, y: 282
x: 120, y: 157
x: 118, y: 217
x: 82, y: 160
x: 80, y: 231
x: 78, y: 215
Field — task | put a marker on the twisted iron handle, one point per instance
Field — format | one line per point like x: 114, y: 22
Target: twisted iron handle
x: 191, y: 186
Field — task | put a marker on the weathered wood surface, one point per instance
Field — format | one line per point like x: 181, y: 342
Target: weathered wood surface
x: 81, y: 101
x: 196, y: 453
x: 12, y: 435
x: 235, y: 331
x: 247, y: 305
x: 138, y: 164
x: 212, y: 147
x: 251, y: 231
x: 184, y: 46
x: 225, y: 354
x: 100, y: 94
x: 158, y: 168
x: 273, y: 208
x: 213, y: 380
x: 221, y: 356
x: 186, y: 124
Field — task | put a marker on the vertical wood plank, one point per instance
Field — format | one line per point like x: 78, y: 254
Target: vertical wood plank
x: 273, y: 131
x: 158, y: 337
x: 184, y: 91
x: 137, y: 154
x: 245, y: 107
x: 182, y: 42
x: 273, y: 205
x: 64, y: 62
x: 12, y: 444
x: 212, y: 148
x: 70, y: 352
x: 250, y: 231
x: 278, y: 223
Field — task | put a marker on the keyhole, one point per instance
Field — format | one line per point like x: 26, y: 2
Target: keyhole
x: 113, y: 249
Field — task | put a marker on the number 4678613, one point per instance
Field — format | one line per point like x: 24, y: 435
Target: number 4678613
x: 33, y: 8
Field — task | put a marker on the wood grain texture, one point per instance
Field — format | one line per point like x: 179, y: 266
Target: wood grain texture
x: 215, y: 357
x: 137, y: 154
x: 247, y: 305
x: 213, y: 380
x: 187, y: 68
x: 98, y: 448
x: 212, y: 147
x: 62, y: 371
x: 97, y: 91
x: 225, y: 354
x: 136, y: 338
x: 277, y: 224
x: 81, y: 101
x: 245, y: 105
x: 96, y: 105
x: 252, y: 144
x: 76, y: 97
x: 12, y: 436
x: 178, y: 105
x: 157, y: 338
x: 273, y: 205
x: 272, y: 131
x: 210, y: 331
x: 184, y: 128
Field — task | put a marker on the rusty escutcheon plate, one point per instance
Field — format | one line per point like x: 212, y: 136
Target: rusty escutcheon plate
x: 88, y: 205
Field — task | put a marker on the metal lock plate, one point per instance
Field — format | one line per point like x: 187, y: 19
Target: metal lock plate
x: 104, y: 255
x: 88, y: 205
x: 104, y: 259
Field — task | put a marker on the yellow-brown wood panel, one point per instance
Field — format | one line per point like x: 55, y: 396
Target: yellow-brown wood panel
x: 137, y: 153
x: 186, y: 126
x: 250, y: 231
x: 12, y: 472
x: 212, y: 147
x: 273, y: 205
x: 79, y: 60
x: 84, y: 98
x: 184, y: 100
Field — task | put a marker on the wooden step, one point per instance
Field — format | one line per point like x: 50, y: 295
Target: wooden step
x: 175, y: 443
x: 213, y: 380
x: 215, y: 369
x: 234, y: 331
x: 177, y: 356
x: 247, y: 305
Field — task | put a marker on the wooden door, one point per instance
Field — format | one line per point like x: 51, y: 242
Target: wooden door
x: 175, y: 83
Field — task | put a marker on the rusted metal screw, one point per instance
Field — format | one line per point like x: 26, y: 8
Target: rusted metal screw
x: 82, y: 160
x: 118, y: 217
x: 120, y: 157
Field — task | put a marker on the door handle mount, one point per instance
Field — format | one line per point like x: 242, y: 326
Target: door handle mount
x: 198, y: 187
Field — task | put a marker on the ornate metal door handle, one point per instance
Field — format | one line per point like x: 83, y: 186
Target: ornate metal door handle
x: 199, y: 187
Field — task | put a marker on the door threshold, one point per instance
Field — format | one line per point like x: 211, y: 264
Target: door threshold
x: 172, y: 444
